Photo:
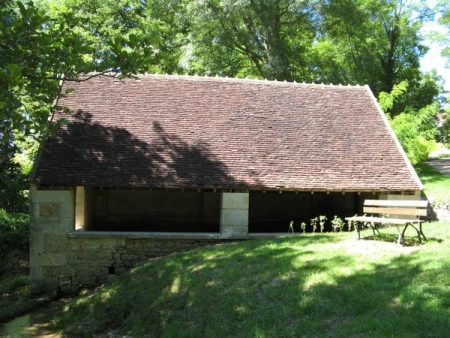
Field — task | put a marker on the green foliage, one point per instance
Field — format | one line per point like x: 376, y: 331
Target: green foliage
x: 13, y: 182
x: 266, y: 38
x: 443, y: 6
x: 420, y: 93
x: 322, y: 220
x: 413, y: 132
x: 303, y: 227
x: 44, y: 42
x: 11, y: 285
x: 13, y: 193
x: 42, y: 45
x: 27, y: 148
x: 14, y: 233
x: 387, y: 100
x: 377, y: 42
x: 314, y: 222
x: 366, y: 41
x: 444, y: 131
x: 416, y: 130
x: 337, y: 224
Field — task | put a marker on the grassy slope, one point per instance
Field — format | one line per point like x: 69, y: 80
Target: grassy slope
x: 308, y: 285
x: 314, y: 285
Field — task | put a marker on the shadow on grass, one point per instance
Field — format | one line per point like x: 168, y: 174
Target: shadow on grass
x: 408, y: 241
x: 281, y: 287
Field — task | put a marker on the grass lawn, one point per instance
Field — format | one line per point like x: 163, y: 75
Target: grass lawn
x: 437, y: 185
x: 313, y: 285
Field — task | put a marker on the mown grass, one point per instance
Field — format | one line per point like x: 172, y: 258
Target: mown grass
x: 314, y: 285
x: 436, y: 184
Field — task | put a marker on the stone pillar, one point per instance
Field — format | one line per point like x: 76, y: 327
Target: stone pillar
x: 234, y: 214
x: 52, y: 218
x: 80, y: 198
x: 83, y: 208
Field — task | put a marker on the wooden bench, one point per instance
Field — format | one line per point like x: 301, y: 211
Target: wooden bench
x: 402, y: 213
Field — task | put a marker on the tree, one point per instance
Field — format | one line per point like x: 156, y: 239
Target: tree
x: 263, y: 38
x: 416, y: 130
x: 41, y: 46
x: 443, y: 8
x: 379, y: 41
x: 43, y: 43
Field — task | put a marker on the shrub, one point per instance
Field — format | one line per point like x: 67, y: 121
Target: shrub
x: 14, y: 233
x: 416, y: 129
x: 415, y: 136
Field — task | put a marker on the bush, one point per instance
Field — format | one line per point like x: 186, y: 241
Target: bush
x: 415, y: 133
x: 416, y: 129
x: 14, y: 233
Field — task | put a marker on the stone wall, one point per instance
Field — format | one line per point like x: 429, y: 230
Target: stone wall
x: 92, y: 261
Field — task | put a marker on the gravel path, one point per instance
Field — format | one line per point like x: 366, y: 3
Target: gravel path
x: 443, y: 165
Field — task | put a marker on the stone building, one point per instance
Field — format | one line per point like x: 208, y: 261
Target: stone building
x: 156, y: 164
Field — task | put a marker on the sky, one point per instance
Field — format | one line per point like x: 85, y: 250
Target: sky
x: 433, y: 59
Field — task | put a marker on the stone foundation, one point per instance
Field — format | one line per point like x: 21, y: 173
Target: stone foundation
x: 91, y: 261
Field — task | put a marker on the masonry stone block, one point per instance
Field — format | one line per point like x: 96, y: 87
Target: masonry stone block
x: 81, y: 271
x: 36, y: 241
x: 52, y: 217
x: 235, y: 201
x: 41, y: 224
x: 101, y: 263
x: 86, y: 261
x: 100, y: 243
x: 120, y: 270
x: 46, y: 259
x: 234, y: 214
x: 235, y: 230
x: 59, y: 271
x: 36, y: 272
x: 234, y: 217
x: 49, y: 210
x: 52, y: 196
x: 55, y: 242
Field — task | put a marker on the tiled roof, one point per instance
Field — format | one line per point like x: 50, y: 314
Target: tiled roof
x: 182, y: 131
